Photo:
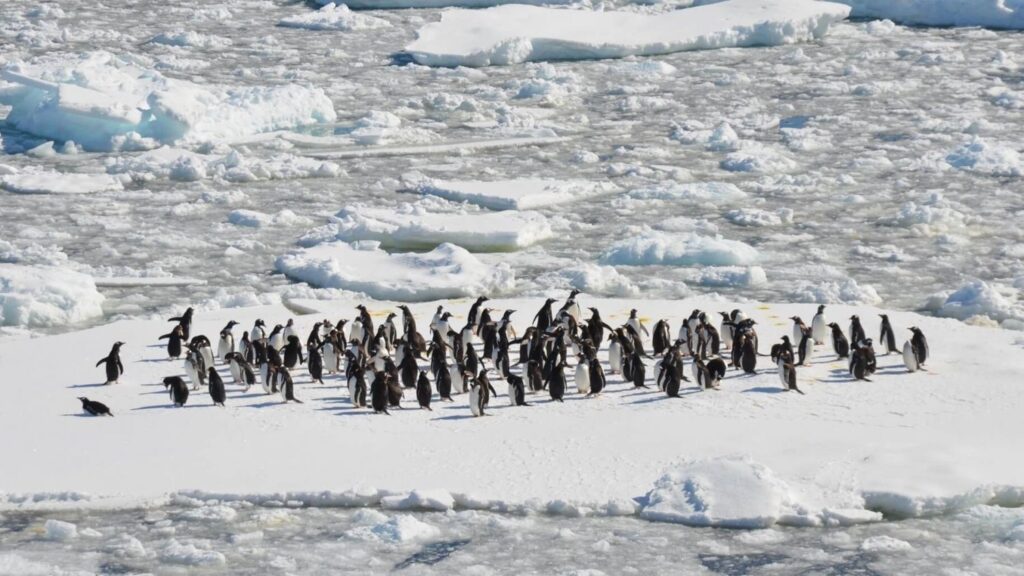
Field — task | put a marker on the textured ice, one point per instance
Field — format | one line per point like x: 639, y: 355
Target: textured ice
x: 988, y: 158
x: 390, y: 4
x: 44, y: 296
x: 520, y: 194
x: 447, y: 271
x: 988, y: 13
x: 648, y: 247
x: 60, y: 530
x: 58, y: 183
x: 187, y: 166
x: 255, y: 219
x: 98, y: 97
x: 714, y: 192
x: 514, y: 34
x: 844, y: 291
x: 979, y: 298
x: 334, y: 17
x: 188, y: 554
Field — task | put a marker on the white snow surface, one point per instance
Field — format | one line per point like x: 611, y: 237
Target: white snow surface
x: 1007, y: 14
x: 46, y: 296
x: 58, y: 183
x: 746, y: 455
x: 447, y: 271
x: 513, y: 34
x: 422, y: 225
x: 517, y: 194
x: 99, y: 99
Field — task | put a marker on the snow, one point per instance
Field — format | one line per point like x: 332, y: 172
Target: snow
x: 447, y: 271
x: 919, y: 443
x: 517, y: 194
x: 182, y: 165
x: 398, y: 529
x: 189, y: 555
x: 652, y: 247
x: 98, y: 98
x: 58, y: 183
x: 987, y: 13
x: 46, y: 296
x: 334, y: 17
x: 424, y: 225
x: 513, y: 34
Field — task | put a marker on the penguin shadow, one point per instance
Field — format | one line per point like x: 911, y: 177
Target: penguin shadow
x: 79, y: 415
x: 661, y: 398
x: 171, y: 407
x: 96, y: 385
x: 347, y: 411
x: 156, y: 360
x: 458, y: 416
x: 267, y: 404
x: 763, y: 390
x: 244, y: 396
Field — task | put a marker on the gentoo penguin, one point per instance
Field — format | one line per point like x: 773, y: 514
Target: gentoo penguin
x: 389, y: 331
x: 862, y: 360
x: 367, y: 321
x: 725, y: 329
x: 276, y: 338
x: 788, y: 375
x: 839, y: 342
x: 246, y: 373
x: 185, y: 321
x: 748, y: 355
x: 226, y: 344
x: 639, y: 370
x: 476, y: 400
x: 556, y: 386
x: 234, y: 367
x: 516, y: 391
x: 700, y: 373
x: 596, y: 327
x: 473, y: 320
x: 635, y: 323
x: 95, y: 408
x: 330, y: 352
x: 408, y: 368
x: 535, y: 376
x: 423, y: 392
x: 614, y: 355
x: 798, y: 328
x: 572, y: 307
x: 662, y: 338
x: 177, y: 389
x: 315, y: 363
x: 114, y: 368
x: 435, y: 322
x: 486, y: 389
x: 293, y: 352
x: 582, y: 376
x: 443, y: 383
x: 920, y: 344
x: 395, y: 392
x: 909, y: 357
x: 379, y: 393
x: 195, y: 369
x: 856, y: 330
x: 458, y: 374
x: 201, y: 344
x: 258, y: 331
x: 887, y: 336
x: 716, y: 371
x: 596, y: 373
x: 217, y: 393
x: 174, y: 342
x: 806, y: 347
x: 286, y: 385
x: 544, y: 318
x: 289, y: 329
x: 819, y: 326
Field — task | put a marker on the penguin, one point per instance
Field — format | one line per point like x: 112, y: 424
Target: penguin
x: 798, y: 328
x: 292, y: 352
x: 443, y: 383
x: 395, y: 391
x: 276, y: 338
x: 516, y: 391
x: 185, y: 321
x: 597, y: 380
x: 819, y: 326
x: 435, y: 322
x: 556, y: 386
x: 177, y: 389
x: 700, y: 373
x: 389, y: 331
x: 258, y: 331
x: 357, y: 389
x: 234, y: 367
x: 887, y: 336
x: 856, y: 330
x: 839, y: 342
x: 174, y: 342
x: 286, y: 385
x: 716, y: 371
x: 672, y: 375
x: 95, y: 408
x: 486, y: 389
x: 789, y: 376
x: 909, y: 357
x: 662, y: 339
x: 245, y: 348
x: 473, y: 320
x: 806, y: 347
x: 862, y: 360
x: 194, y: 369
x: 614, y: 355
x: 572, y: 307
x: 639, y: 370
x: 596, y: 327
x: 289, y: 329
x: 315, y: 363
x: 379, y: 393
x: 217, y: 393
x: 423, y: 392
x: 543, y: 318
x: 748, y: 355
x: 582, y: 376
x: 114, y: 368
x: 246, y: 373
x: 920, y: 344
x: 725, y: 329
x: 476, y: 400
x: 314, y: 336
x: 635, y: 323
x: 535, y: 376
x: 331, y: 358
x: 226, y: 344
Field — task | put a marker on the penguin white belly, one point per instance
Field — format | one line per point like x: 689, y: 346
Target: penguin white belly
x: 615, y: 358
x: 819, y: 329
x: 277, y: 341
x: 265, y: 377
x: 225, y: 346
x: 352, y: 390
x: 207, y: 353
x: 697, y: 375
x: 583, y: 378
x: 798, y: 334
x: 458, y: 384
x: 236, y: 371
x: 288, y: 332
x: 909, y: 358
x: 726, y: 331
x: 808, y: 349
x: 355, y: 331
x: 192, y: 373
x: 511, y: 395
x: 782, y: 373
x: 683, y: 333
x: 281, y: 387
x: 474, y: 401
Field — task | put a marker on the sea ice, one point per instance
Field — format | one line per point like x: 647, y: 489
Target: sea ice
x: 519, y: 194
x: 58, y: 183
x: 44, y: 296
x: 334, y: 17
x: 986, y: 13
x: 651, y: 247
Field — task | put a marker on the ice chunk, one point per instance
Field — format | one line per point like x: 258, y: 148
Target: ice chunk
x: 438, y: 500
x: 398, y: 529
x: 885, y: 544
x: 651, y: 247
x: 417, y: 226
x: 448, y: 271
x: 192, y: 39
x: 592, y: 279
x: 987, y: 158
x: 334, y: 17
x: 190, y: 555
x: 58, y: 183
x: 978, y: 298
x: 986, y: 13
x: 254, y: 219
x: 43, y: 296
x: 99, y: 100
x: 715, y: 192
x: 520, y: 194
x: 59, y: 530
x: 514, y: 34
x: 845, y: 291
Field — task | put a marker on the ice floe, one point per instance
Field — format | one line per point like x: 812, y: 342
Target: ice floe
x: 254, y: 219
x: 513, y: 34
x: 653, y: 247
x: 988, y: 13
x: 518, y: 194
x: 59, y: 183
x: 979, y: 299
x: 45, y: 296
x: 334, y: 17
x: 447, y: 271
x: 843, y: 291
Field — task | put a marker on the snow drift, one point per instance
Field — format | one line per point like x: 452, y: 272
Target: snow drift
x: 100, y: 100
x: 45, y: 296
x: 1007, y: 14
x: 513, y: 34
x: 447, y: 271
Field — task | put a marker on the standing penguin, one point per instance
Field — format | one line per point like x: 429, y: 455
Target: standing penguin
x: 174, y: 339
x: 516, y: 391
x: 195, y: 369
x: 217, y: 393
x: 635, y: 323
x: 286, y: 385
x: 556, y: 386
x: 597, y: 380
x: 614, y: 354
x: 185, y: 321
x: 839, y: 343
x: 748, y: 355
x: 289, y: 329
x: 806, y: 347
x: 920, y: 344
x: 293, y: 352
x: 177, y: 389
x: 544, y: 317
x: 819, y: 326
x: 379, y: 393
x: 246, y: 375
x: 423, y: 390
x: 276, y: 338
x: 95, y: 408
x: 856, y: 330
x: 476, y: 400
x: 258, y: 331
x: 114, y: 368
x: 443, y: 383
x: 662, y: 338
x: 887, y: 336
x: 226, y: 344
x: 798, y: 328
x: 788, y: 375
x: 909, y: 357
x: 582, y: 375
x: 315, y: 363
x: 725, y: 329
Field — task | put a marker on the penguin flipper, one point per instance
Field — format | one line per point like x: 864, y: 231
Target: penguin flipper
x: 102, y: 360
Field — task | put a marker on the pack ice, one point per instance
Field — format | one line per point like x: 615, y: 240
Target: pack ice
x: 1007, y: 14
x: 519, y: 194
x: 100, y: 101
x: 513, y: 34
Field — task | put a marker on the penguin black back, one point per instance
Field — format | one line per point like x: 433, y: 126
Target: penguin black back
x: 95, y: 408
x: 177, y: 389
x: 216, y: 386
x: 423, y: 392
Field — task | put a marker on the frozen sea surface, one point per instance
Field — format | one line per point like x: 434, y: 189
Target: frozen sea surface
x: 247, y: 540
x: 884, y: 154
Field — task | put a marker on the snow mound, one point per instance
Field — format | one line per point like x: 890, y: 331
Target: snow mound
x: 60, y: 531
x: 447, y: 271
x: 845, y: 291
x: 986, y: 158
x: 728, y: 493
x: 693, y: 191
x: 986, y: 13
x: 254, y: 219
x: 334, y: 17
x: 731, y: 276
x: 514, y: 34
x: 977, y: 298
x: 417, y: 226
x: 59, y: 183
x: 651, y: 247
x: 43, y: 296
x: 519, y: 194
x: 99, y: 101
x: 758, y: 158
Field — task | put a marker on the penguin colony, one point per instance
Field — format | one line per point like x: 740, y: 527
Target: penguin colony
x: 556, y: 355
